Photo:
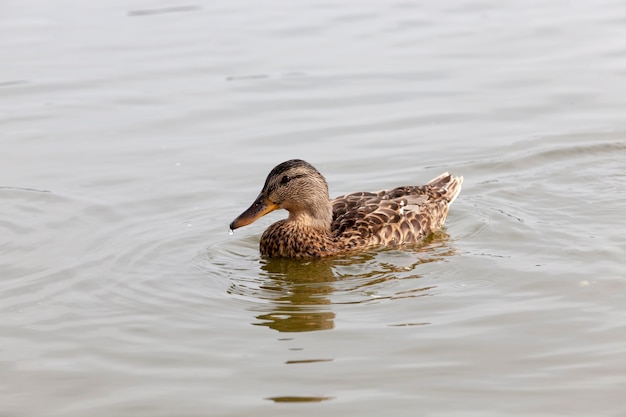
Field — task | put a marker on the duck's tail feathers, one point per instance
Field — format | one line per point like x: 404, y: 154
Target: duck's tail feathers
x: 451, y: 185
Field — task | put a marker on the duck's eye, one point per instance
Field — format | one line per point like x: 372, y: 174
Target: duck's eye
x: 285, y: 179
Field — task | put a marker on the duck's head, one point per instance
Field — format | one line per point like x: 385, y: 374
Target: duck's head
x: 297, y: 187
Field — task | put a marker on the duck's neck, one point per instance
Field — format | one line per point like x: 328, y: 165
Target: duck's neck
x: 318, y: 216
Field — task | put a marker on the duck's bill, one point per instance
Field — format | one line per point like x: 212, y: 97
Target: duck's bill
x: 258, y: 209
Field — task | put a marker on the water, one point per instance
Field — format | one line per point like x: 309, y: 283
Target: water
x: 134, y: 132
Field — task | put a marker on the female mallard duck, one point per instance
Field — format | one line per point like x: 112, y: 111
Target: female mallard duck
x: 318, y: 226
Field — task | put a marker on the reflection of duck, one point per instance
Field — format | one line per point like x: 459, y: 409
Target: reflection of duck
x: 318, y: 226
x: 301, y: 294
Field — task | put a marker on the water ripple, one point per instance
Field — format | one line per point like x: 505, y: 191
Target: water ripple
x: 295, y: 295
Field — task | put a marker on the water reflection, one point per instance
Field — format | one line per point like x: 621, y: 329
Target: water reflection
x: 300, y: 292
x: 294, y: 399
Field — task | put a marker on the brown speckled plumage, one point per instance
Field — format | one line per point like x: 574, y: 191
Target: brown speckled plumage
x: 318, y: 226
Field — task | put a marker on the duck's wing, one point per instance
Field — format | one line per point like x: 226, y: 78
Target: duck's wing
x: 393, y: 217
x: 366, y: 220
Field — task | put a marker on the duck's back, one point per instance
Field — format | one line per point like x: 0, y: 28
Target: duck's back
x: 393, y: 217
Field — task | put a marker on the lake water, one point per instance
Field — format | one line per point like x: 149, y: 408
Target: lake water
x: 133, y: 132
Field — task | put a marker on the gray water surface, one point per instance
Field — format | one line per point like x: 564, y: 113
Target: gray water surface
x: 133, y: 132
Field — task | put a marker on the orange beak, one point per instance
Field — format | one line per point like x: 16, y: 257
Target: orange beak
x: 258, y: 209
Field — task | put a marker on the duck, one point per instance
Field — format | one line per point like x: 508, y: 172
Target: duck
x: 318, y: 226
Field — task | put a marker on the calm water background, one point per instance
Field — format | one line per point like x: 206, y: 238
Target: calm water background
x: 133, y: 132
